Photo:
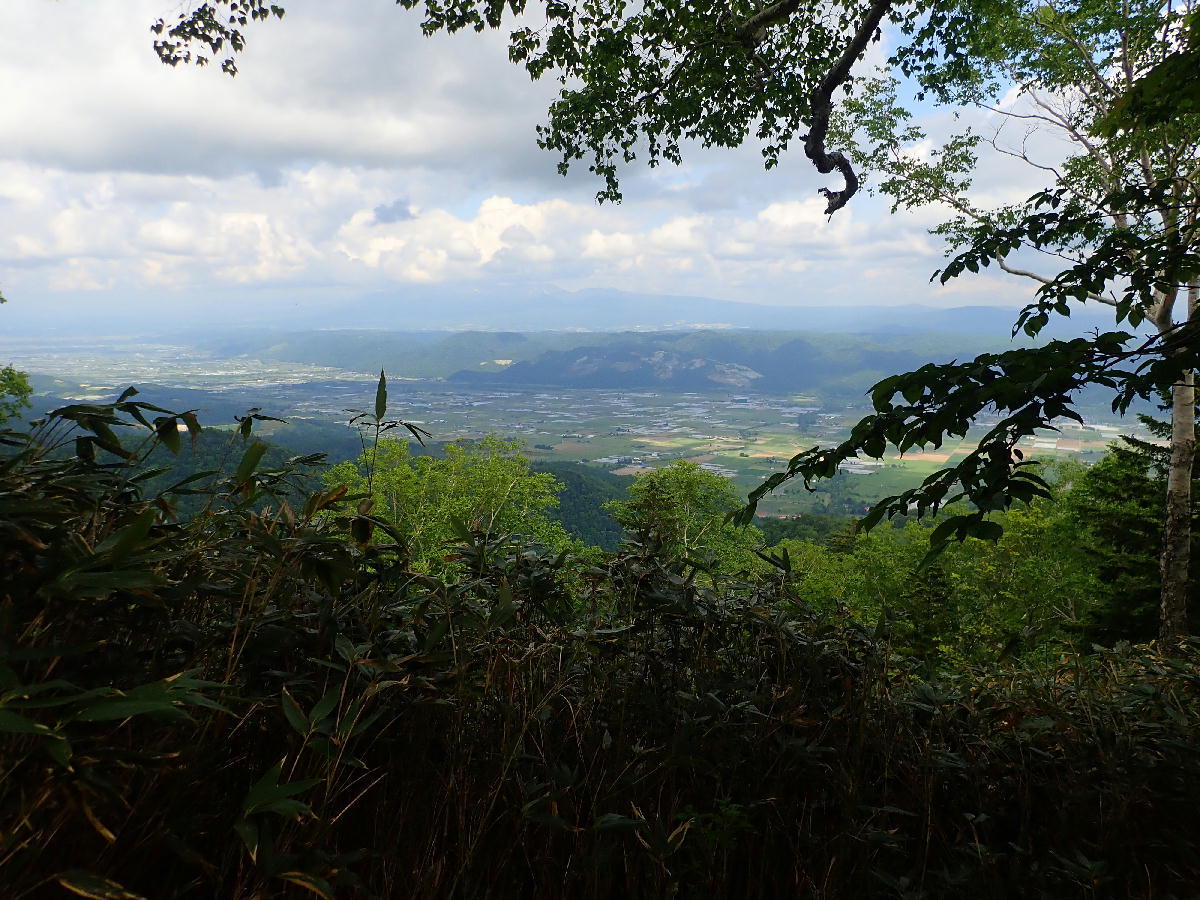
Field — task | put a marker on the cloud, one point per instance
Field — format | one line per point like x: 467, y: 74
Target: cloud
x: 353, y: 154
x: 357, y: 85
x: 322, y: 225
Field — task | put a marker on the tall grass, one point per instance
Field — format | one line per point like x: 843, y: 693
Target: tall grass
x: 263, y: 701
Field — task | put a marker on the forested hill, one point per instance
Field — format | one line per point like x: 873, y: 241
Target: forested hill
x: 704, y: 360
x: 717, y: 361
x: 581, y: 502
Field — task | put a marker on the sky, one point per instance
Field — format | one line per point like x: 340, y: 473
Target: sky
x: 352, y: 156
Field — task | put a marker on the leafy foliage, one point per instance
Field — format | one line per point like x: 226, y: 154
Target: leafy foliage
x: 585, y: 491
x: 1028, y: 388
x: 214, y: 28
x: 246, y: 703
x: 15, y: 391
x: 645, y: 80
x: 1165, y: 92
x: 1123, y: 214
x: 684, y: 509
x: 1116, y: 506
x: 816, y: 529
x: 1029, y: 592
x: 664, y: 733
x: 1116, y: 225
x: 427, y: 502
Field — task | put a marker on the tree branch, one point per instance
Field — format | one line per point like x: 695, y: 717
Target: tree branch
x: 821, y: 101
x: 751, y: 31
x: 1025, y: 273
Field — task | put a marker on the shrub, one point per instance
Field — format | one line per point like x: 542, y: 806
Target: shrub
x: 265, y: 701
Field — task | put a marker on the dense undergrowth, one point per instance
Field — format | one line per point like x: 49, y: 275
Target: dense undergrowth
x: 264, y: 701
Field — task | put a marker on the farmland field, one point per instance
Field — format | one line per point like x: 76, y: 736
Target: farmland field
x: 745, y: 438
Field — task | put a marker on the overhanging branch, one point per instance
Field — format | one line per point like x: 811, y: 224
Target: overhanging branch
x: 1042, y: 279
x: 752, y: 31
x: 821, y: 102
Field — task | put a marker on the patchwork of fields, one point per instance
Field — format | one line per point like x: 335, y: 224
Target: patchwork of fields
x: 742, y: 437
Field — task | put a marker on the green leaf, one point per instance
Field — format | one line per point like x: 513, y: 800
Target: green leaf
x: 501, y: 615
x: 105, y: 437
x: 361, y: 529
x: 318, y: 886
x: 59, y: 750
x: 987, y: 531
x: 193, y: 425
x: 871, y: 519
x: 167, y: 430
x: 101, y: 584
x: 437, y: 633
x: 123, y: 541
x: 325, y: 705
x: 191, y: 479
x: 381, y: 397
x: 882, y: 392
x: 250, y: 460
x: 248, y: 832
x: 942, y: 534
x: 345, y: 648
x: 149, y: 474
x: 11, y: 723
x: 124, y: 708
x: 268, y: 795
x: 610, y: 821
x: 293, y: 714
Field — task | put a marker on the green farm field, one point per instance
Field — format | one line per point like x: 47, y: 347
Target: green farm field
x: 745, y: 438
x: 750, y: 444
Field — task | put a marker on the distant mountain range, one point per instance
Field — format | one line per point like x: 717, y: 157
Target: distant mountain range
x: 740, y: 361
x: 523, y: 336
x: 471, y: 307
x: 492, y: 309
x: 710, y: 361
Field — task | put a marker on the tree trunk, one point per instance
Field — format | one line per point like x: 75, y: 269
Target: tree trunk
x: 1177, y: 531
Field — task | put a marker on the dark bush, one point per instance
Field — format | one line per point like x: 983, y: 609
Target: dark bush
x: 262, y: 701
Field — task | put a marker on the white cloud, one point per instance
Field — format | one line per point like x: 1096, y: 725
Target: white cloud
x: 355, y: 154
x: 320, y: 224
x: 357, y: 85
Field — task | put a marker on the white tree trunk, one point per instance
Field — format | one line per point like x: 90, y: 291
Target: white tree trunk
x: 1177, y: 530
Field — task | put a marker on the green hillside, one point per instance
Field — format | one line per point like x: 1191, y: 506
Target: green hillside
x: 585, y: 491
